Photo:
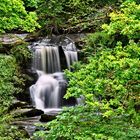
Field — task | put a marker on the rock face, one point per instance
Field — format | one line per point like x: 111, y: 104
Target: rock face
x: 9, y: 40
x: 27, y: 125
x: 17, y: 104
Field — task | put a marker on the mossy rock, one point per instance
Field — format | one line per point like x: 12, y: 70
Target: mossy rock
x: 7, y: 41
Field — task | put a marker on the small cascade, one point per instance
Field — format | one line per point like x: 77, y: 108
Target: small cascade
x: 46, y: 58
x: 45, y: 93
x: 70, y: 52
x: 51, y: 85
x: 53, y: 60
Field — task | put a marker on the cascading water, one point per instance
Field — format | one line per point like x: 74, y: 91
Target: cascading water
x: 45, y: 93
x: 46, y: 58
x: 70, y: 52
x: 51, y: 85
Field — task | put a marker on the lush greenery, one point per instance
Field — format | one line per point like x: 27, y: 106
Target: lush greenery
x: 109, y: 82
x: 21, y: 54
x: 84, y: 122
x: 11, y: 82
x: 108, y: 78
x: 126, y: 21
x: 65, y: 16
x: 9, y: 79
x: 14, y: 16
x: 54, y: 16
x: 74, y: 15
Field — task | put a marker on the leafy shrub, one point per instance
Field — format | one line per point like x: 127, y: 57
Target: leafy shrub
x: 10, y: 78
x: 112, y: 77
x: 86, y: 123
x: 31, y: 3
x: 73, y: 15
x: 14, y: 16
x: 126, y: 21
x: 9, y: 132
x: 21, y: 53
x: 110, y: 84
x: 94, y: 42
x: 11, y: 82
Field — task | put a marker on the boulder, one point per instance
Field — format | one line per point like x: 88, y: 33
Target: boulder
x: 17, y: 104
x: 33, y: 112
x: 47, y: 118
x: 11, y: 39
x: 7, y: 41
x: 27, y: 112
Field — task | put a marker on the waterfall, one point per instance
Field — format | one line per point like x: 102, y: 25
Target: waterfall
x: 49, y: 89
x: 45, y: 92
x: 70, y: 52
x: 46, y: 58
x: 71, y: 56
x: 53, y: 60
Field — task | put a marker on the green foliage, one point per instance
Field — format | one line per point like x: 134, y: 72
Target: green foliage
x: 73, y: 15
x: 97, y: 41
x: 31, y: 3
x: 14, y: 16
x: 109, y: 82
x: 21, y: 53
x: 50, y: 14
x: 126, y: 21
x: 86, y: 123
x: 9, y: 80
x: 9, y: 132
x: 111, y: 76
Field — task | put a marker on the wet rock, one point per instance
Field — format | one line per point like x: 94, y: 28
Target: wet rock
x: 27, y: 125
x: 7, y: 41
x: 24, y: 97
x: 76, y: 37
x: 23, y: 131
x: 11, y: 39
x: 33, y: 36
x: 47, y: 118
x: 27, y: 112
x: 17, y: 104
x: 33, y: 112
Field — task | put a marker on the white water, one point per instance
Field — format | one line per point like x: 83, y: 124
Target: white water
x: 53, y: 59
x: 70, y: 52
x: 47, y: 93
x: 71, y: 57
x: 46, y: 58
